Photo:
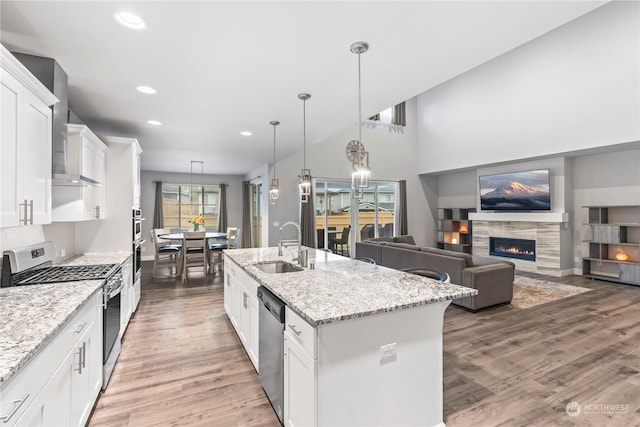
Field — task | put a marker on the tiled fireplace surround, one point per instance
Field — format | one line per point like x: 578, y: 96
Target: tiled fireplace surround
x: 545, y: 233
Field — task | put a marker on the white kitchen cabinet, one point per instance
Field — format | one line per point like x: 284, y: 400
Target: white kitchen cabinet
x: 241, y: 305
x: 25, y: 147
x: 85, y: 157
x: 299, y: 384
x: 61, y: 383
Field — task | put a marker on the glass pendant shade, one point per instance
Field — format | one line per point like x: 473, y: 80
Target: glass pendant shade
x: 304, y: 179
x: 274, y: 188
x: 356, y: 153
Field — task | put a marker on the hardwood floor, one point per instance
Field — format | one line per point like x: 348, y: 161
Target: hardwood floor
x: 182, y: 363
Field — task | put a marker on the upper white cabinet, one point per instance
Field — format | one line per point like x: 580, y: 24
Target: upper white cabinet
x: 25, y: 147
x: 86, y: 158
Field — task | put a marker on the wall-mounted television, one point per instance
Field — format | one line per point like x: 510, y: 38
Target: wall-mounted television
x: 516, y: 191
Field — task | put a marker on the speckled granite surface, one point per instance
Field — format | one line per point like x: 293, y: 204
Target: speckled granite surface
x: 30, y: 316
x: 341, y: 288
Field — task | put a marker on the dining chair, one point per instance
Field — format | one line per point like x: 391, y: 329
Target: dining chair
x: 233, y: 236
x: 342, y: 241
x: 320, y: 234
x: 166, y: 252
x: 441, y: 276
x: 194, y: 247
x: 216, y: 246
x: 365, y: 259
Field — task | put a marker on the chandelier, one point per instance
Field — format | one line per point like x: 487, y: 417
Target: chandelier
x: 304, y: 179
x: 274, y: 188
x: 356, y: 153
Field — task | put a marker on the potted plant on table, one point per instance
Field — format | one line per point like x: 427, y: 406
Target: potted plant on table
x: 197, y: 221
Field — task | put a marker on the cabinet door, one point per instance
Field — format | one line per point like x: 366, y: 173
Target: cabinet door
x: 254, y: 339
x: 136, y: 177
x: 34, y: 159
x: 300, y: 404
x: 10, y: 117
x: 52, y: 407
x: 99, y: 192
x: 86, y: 377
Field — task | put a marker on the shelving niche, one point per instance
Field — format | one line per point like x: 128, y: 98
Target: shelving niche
x: 454, y: 229
x: 613, y: 244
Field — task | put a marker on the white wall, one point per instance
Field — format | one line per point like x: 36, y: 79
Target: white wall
x: 573, y: 88
x: 147, y: 179
x: 392, y: 158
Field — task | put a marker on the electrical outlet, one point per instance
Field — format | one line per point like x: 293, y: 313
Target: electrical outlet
x: 388, y: 353
x: 276, y: 223
x: 576, y: 259
x: 62, y: 253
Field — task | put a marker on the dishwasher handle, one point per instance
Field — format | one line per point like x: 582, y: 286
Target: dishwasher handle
x: 271, y: 303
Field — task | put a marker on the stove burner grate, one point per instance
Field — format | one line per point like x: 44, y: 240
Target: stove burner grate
x: 69, y: 273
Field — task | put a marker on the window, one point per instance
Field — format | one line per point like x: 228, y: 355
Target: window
x: 181, y: 202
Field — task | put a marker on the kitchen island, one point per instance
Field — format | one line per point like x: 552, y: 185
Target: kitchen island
x: 363, y: 343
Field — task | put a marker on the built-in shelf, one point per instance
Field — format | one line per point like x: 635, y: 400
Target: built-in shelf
x: 520, y: 216
x: 454, y: 229
x: 613, y: 232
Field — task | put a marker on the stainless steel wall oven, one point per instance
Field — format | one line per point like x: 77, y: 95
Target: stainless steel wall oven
x: 138, y: 241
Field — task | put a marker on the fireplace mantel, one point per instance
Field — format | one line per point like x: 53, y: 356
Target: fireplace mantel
x: 520, y: 216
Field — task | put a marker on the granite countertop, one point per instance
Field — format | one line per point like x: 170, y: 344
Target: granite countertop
x: 341, y: 288
x: 32, y: 315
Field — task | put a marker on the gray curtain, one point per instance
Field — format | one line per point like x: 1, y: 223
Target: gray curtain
x: 308, y: 222
x: 399, y: 115
x: 402, y: 208
x: 222, y: 211
x: 245, y: 233
x: 158, y: 215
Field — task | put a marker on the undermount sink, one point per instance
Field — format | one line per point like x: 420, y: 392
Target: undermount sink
x: 277, y: 267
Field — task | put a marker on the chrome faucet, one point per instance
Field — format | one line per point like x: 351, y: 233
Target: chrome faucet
x: 299, y: 259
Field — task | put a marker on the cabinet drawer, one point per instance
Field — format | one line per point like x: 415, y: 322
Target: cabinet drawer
x: 301, y: 331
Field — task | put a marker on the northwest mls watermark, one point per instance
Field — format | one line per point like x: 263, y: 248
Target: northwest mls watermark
x: 574, y: 409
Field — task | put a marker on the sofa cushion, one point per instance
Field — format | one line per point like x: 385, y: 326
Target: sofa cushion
x: 404, y: 239
x: 380, y: 239
x: 403, y: 246
x: 483, y: 260
x: 466, y: 257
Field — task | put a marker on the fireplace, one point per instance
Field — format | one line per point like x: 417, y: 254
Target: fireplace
x: 513, y: 248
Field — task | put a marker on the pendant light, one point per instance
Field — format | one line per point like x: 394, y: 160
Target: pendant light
x: 355, y: 151
x: 274, y: 188
x: 304, y: 179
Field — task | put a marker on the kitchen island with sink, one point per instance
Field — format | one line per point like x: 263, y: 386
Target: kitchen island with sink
x: 362, y: 342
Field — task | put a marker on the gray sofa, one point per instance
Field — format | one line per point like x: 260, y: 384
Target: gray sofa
x: 492, y: 278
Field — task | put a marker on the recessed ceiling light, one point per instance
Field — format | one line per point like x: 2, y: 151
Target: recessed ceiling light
x: 129, y: 20
x: 154, y: 122
x: 147, y: 90
x: 246, y: 133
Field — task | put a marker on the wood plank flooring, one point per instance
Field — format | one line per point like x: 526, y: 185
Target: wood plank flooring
x: 183, y: 365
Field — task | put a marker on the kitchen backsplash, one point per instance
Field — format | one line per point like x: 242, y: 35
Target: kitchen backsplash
x: 61, y: 233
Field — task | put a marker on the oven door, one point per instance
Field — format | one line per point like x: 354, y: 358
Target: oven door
x: 111, y: 325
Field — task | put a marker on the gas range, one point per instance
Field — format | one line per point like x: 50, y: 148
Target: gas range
x: 32, y: 265
x: 68, y: 273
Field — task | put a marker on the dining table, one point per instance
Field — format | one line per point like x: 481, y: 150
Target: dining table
x: 209, y: 235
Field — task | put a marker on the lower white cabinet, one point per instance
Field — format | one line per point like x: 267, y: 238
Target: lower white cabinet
x: 241, y: 305
x: 59, y: 386
x: 299, y: 384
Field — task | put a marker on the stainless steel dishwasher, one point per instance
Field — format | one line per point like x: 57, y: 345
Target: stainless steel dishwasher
x: 271, y: 348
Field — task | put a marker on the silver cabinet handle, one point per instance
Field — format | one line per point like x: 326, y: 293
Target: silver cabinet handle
x: 84, y: 354
x: 25, y: 216
x: 294, y: 330
x: 97, y: 208
x: 244, y: 300
x: 16, y: 405
x: 79, y: 369
x: 31, y: 212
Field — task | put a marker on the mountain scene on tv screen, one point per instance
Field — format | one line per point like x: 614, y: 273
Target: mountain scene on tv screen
x: 509, y: 192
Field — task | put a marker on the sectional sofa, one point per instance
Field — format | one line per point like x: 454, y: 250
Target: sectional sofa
x: 492, y: 278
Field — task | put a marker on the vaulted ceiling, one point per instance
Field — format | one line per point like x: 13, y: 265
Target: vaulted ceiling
x: 221, y: 68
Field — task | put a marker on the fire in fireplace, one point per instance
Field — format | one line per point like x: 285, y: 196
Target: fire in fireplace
x: 513, y: 248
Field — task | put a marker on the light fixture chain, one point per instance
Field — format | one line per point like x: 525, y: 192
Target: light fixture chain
x: 304, y: 134
x: 274, y: 151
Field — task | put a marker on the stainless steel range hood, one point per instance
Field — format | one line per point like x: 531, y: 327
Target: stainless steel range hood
x: 51, y: 74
